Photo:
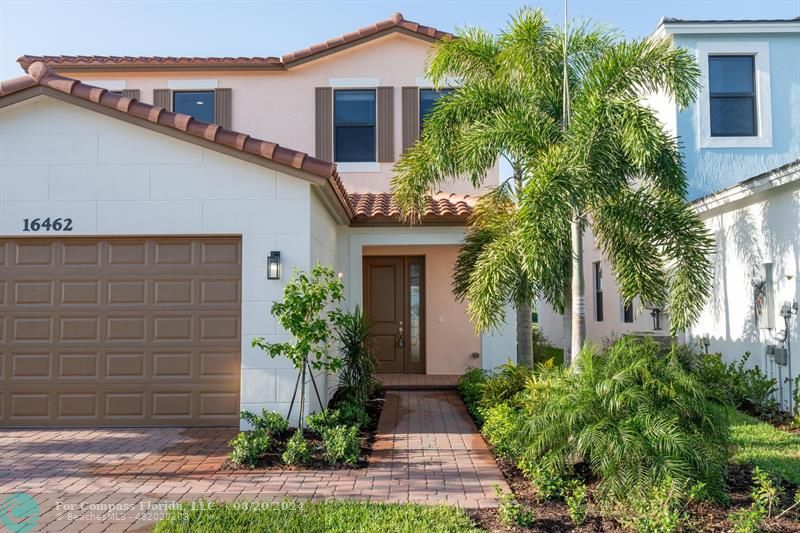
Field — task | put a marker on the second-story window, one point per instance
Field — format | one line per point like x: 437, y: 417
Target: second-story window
x: 354, y: 125
x: 199, y: 104
x: 597, y: 271
x: 732, y: 91
x: 427, y: 99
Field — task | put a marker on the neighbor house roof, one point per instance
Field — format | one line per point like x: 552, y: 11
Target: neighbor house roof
x: 42, y: 80
x: 395, y: 23
x: 669, y: 25
x: 381, y: 208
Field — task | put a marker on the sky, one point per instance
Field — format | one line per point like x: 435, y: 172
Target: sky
x: 273, y: 28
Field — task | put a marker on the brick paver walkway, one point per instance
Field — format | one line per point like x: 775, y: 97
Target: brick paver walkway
x: 427, y: 451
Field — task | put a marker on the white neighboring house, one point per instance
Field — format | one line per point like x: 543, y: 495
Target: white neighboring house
x: 741, y: 144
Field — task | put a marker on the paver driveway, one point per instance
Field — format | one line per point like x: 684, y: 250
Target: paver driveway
x: 427, y: 451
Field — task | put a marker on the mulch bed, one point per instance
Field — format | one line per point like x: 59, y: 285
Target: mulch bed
x: 273, y: 460
x: 552, y: 516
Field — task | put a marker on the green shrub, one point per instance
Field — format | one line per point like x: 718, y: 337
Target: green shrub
x: 353, y: 414
x: 297, y: 450
x: 576, y: 499
x: 341, y: 444
x: 765, y: 496
x: 548, y: 474
x: 470, y: 388
x: 356, y: 380
x: 500, y: 428
x: 270, y: 422
x: 748, y: 389
x: 322, y: 420
x: 249, y: 446
x: 512, y: 513
x: 635, y: 416
x: 663, y: 510
x: 505, y: 385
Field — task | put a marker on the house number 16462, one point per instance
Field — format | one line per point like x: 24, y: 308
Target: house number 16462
x: 47, y: 224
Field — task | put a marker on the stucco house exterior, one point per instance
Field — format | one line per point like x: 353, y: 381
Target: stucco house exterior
x: 139, y: 209
x: 741, y: 146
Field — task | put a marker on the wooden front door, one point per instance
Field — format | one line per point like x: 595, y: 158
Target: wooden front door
x: 394, y: 302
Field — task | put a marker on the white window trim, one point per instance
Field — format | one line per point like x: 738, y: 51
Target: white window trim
x: 192, y: 85
x: 359, y: 167
x: 354, y: 83
x: 355, y: 167
x: 760, y: 51
x: 450, y: 82
x: 111, y: 85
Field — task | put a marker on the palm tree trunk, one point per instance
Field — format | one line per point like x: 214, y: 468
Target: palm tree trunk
x: 566, y: 326
x: 578, y: 287
x: 524, y: 335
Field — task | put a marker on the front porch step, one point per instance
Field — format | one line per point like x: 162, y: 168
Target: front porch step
x: 423, y: 382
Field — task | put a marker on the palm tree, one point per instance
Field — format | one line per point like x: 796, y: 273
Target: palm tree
x: 610, y: 166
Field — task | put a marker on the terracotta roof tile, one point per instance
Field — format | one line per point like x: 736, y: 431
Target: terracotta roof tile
x: 394, y: 23
x: 441, y: 207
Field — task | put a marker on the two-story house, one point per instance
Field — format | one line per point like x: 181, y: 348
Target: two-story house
x: 146, y: 227
x: 740, y: 141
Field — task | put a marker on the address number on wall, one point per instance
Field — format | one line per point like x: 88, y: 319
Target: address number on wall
x: 47, y: 224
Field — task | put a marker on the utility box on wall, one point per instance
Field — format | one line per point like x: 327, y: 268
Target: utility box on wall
x: 764, y: 297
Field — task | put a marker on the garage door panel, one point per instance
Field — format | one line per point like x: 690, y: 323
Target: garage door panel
x: 80, y: 253
x: 31, y: 329
x: 35, y: 253
x: 120, y: 331
x: 79, y: 292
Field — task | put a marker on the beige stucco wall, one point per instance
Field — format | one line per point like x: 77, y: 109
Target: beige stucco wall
x: 450, y: 337
x: 279, y: 105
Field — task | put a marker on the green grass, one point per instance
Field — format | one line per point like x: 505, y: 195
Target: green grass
x: 763, y: 445
x: 328, y: 516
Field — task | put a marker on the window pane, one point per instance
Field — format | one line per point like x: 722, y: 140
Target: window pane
x: 198, y: 104
x: 733, y: 116
x: 627, y: 313
x: 427, y: 99
x: 355, y: 143
x: 354, y: 107
x: 415, y: 303
x: 730, y: 74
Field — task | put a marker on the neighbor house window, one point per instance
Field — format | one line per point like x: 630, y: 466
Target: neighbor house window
x: 627, y: 312
x: 427, y: 99
x: 199, y: 104
x: 354, y: 125
x: 732, y: 93
x: 598, y: 290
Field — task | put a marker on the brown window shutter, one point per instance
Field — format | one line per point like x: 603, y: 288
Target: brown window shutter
x: 410, y: 116
x: 130, y: 93
x: 386, y: 124
x: 162, y: 98
x: 222, y: 107
x: 323, y: 118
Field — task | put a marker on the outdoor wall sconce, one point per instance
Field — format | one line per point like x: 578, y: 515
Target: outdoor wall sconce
x: 274, y: 265
x: 656, y: 314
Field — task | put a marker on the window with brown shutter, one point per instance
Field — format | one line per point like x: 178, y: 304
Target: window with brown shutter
x: 410, y: 116
x: 386, y: 124
x: 131, y: 93
x: 323, y: 119
x: 222, y: 107
x: 162, y: 98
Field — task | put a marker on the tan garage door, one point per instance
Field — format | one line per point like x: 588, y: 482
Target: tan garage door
x: 120, y: 331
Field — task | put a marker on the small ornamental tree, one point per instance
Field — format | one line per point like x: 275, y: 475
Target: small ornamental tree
x: 309, y: 312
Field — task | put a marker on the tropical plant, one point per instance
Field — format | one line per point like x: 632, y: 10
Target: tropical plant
x: 356, y: 378
x: 634, y: 415
x: 306, y: 314
x: 470, y: 388
x: 249, y: 446
x: 341, y: 444
x: 297, y: 451
x: 269, y: 421
x: 597, y: 158
x: 500, y: 429
x: 575, y: 497
x: 511, y: 512
x: 504, y: 385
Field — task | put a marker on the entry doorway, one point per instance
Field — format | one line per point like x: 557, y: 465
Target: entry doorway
x: 394, y: 302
